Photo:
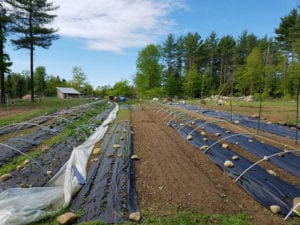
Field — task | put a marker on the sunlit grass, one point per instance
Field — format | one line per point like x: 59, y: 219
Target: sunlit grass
x: 27, y: 109
x: 182, y: 218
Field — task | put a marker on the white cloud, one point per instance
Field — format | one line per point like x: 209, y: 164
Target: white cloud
x: 113, y: 25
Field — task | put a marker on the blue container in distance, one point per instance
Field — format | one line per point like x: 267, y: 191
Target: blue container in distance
x: 122, y: 98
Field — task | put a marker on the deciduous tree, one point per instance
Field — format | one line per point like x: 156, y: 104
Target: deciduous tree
x: 149, y: 69
x: 40, y: 80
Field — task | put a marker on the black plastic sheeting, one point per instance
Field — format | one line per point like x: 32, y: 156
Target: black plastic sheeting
x: 22, y: 126
x: 246, y: 121
x: 109, y: 194
x: 42, y: 120
x: 263, y: 187
x: 288, y: 161
x: 23, y: 143
x: 34, y: 174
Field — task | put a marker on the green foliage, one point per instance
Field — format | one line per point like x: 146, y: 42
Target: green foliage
x: 51, y: 83
x: 182, y: 218
x: 286, y: 29
x: 45, y: 105
x: 123, y: 114
x: 192, y: 50
x: 17, y: 85
x: 40, y: 80
x: 149, y: 69
x: 102, y: 91
x: 30, y: 23
x: 4, y: 58
x: 245, y: 43
x: 192, y: 83
x: 30, y: 20
x: 254, y: 71
x: 122, y: 88
x: 173, y: 85
x: 154, y: 92
x: 77, y: 130
x: 79, y: 78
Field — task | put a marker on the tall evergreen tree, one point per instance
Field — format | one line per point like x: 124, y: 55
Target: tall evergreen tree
x: 245, y: 43
x: 286, y: 28
x: 30, y: 20
x: 192, y: 46
x: 179, y: 54
x: 4, y: 58
x: 226, y: 50
x: 171, y: 55
x: 168, y: 54
x: 211, y: 44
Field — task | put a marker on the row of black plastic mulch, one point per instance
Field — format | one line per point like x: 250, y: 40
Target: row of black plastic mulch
x: 246, y: 121
x: 109, y: 193
x: 287, y: 161
x: 40, y: 120
x: 35, y: 173
x: 23, y: 143
x: 263, y: 187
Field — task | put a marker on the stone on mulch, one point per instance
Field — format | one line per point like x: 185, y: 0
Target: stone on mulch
x: 67, y: 218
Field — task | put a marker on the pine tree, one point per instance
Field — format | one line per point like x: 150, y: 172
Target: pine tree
x: 286, y: 28
x: 4, y: 58
x: 30, y: 20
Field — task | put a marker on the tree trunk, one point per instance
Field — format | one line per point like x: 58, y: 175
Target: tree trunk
x: 31, y: 59
x: 2, y: 60
x: 2, y: 74
x: 31, y: 74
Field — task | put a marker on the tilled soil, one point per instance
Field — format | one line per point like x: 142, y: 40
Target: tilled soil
x: 173, y: 176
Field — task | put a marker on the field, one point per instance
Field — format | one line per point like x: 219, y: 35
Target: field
x: 175, y: 182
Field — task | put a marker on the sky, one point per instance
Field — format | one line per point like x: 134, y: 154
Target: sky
x: 104, y: 37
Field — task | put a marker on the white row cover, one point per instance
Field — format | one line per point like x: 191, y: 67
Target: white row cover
x: 25, y: 205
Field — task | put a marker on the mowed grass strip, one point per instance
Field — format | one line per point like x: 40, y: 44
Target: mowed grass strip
x: 181, y: 218
x: 22, y: 110
x: 274, y: 110
x: 38, y: 150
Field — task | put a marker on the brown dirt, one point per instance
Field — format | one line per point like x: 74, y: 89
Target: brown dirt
x: 6, y: 112
x: 172, y: 176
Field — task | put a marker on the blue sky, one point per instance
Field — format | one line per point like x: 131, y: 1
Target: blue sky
x: 104, y: 37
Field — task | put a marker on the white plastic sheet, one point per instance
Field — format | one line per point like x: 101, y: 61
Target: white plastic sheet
x: 21, y: 206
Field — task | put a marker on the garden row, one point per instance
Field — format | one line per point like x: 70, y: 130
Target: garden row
x: 242, y: 120
x: 109, y: 194
x: 241, y: 155
x: 51, y: 140
x: 47, y: 180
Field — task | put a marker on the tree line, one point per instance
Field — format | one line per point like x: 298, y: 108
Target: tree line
x: 190, y: 66
x: 19, y: 84
x: 185, y: 66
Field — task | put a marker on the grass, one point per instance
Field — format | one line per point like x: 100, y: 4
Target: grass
x: 21, y: 110
x: 69, y: 131
x: 183, y: 218
x: 123, y: 115
x: 274, y: 110
x: 193, y: 217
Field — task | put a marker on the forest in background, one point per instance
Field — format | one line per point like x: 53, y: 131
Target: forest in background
x: 192, y: 67
x: 189, y: 66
